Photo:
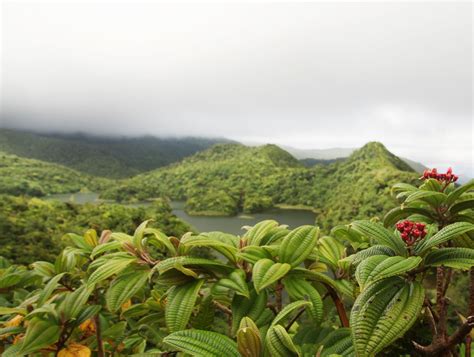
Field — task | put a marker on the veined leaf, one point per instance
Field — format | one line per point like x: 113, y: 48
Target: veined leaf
x: 299, y: 289
x: 463, y: 205
x: 279, y: 343
x: 253, y: 254
x: 447, y: 233
x: 171, y: 263
x: 212, y: 240
x: 236, y: 281
x: 298, y: 244
x: 380, y: 267
x: 257, y: 233
x: 289, y: 309
x: 383, y: 312
x: 39, y: 334
x: 249, y: 340
x: 158, y: 237
x: 109, y: 268
x: 105, y: 247
x: 253, y: 307
x: 431, y: 197
x: 75, y: 301
x: 181, y: 300
x: 458, y: 258
x: 201, y: 343
x: 266, y: 272
x: 338, y: 342
x: 398, y: 213
x: 403, y: 187
x: 330, y: 251
x: 356, y: 258
x: 454, y: 195
x: 48, y: 289
x: 124, y: 287
x: 381, y: 235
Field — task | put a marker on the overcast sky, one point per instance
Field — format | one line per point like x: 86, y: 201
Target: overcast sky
x: 309, y: 75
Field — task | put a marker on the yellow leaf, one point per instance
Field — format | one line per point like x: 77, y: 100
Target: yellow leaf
x: 126, y: 305
x: 87, y: 326
x: 16, y: 321
x: 75, y: 350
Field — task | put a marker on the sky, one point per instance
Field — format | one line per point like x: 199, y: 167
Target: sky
x: 307, y: 75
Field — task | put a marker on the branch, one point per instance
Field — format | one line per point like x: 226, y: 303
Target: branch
x: 457, y: 337
x: 341, y: 310
x: 292, y: 321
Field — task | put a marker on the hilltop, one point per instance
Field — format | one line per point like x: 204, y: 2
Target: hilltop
x: 112, y: 157
x: 229, y: 178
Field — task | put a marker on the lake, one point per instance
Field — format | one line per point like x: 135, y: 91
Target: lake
x: 293, y: 218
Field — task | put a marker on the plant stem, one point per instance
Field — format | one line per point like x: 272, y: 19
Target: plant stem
x: 278, y: 295
x: 341, y: 310
x: 98, y: 333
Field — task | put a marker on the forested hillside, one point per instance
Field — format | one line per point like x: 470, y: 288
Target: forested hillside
x: 102, y: 156
x: 229, y: 178
x: 33, y: 229
x: 21, y: 176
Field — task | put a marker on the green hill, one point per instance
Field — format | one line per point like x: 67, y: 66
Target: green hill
x: 114, y: 157
x: 229, y: 178
x: 21, y: 176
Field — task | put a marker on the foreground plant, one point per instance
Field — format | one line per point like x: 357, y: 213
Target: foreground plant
x: 272, y: 292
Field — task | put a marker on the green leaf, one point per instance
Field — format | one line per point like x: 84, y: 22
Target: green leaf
x: 462, y: 206
x: 266, y: 272
x: 298, y: 244
x: 380, y: 267
x: 172, y: 263
x: 109, y: 268
x: 237, y: 282
x: 279, y: 343
x: 249, y: 340
x: 383, y: 312
x: 201, y: 343
x: 39, y: 334
x: 226, y: 244
x: 48, y: 289
x: 299, y: 289
x: 257, y: 233
x: 356, y: 258
x: 447, y: 233
x: 430, y: 197
x: 454, y: 195
x: 330, y: 251
x: 398, y: 213
x: 105, y: 247
x: 74, y: 302
x: 381, y: 235
x: 181, y: 300
x: 338, y: 342
x: 124, y: 287
x: 253, y: 307
x: 253, y: 254
x: 158, y: 237
x: 288, y: 310
x: 458, y: 258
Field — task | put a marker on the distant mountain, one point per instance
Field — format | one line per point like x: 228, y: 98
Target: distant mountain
x: 228, y: 178
x: 22, y: 176
x: 310, y: 157
x: 114, y: 157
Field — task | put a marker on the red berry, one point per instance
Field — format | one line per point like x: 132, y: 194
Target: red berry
x: 416, y: 233
x: 404, y: 236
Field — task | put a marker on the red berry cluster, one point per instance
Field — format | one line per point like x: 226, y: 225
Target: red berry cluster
x: 448, y: 177
x: 411, y: 231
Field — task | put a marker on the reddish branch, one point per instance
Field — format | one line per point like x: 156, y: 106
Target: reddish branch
x: 341, y: 310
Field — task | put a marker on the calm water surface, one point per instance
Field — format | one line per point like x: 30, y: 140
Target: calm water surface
x: 293, y: 218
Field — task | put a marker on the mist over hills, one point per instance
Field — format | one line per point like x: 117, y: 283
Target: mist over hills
x: 113, y: 157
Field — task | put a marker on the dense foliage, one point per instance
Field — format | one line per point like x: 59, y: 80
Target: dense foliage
x: 32, y: 229
x: 21, y: 176
x: 363, y: 290
x: 230, y: 178
x: 102, y: 156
